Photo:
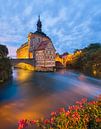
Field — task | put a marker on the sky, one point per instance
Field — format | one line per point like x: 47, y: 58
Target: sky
x: 71, y: 24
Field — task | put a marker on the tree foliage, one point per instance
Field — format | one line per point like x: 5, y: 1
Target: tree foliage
x: 5, y: 64
x: 88, y: 60
x: 3, y: 51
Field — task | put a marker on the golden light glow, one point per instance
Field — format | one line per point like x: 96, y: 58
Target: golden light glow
x: 25, y: 66
x: 23, y: 76
x: 94, y: 72
x: 68, y: 58
x: 23, y: 52
x: 59, y: 59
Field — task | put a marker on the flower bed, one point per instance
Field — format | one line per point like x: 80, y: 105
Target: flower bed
x: 83, y: 115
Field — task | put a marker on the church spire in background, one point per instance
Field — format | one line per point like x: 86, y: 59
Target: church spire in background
x: 39, y: 25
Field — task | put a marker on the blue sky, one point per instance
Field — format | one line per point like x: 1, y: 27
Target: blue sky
x: 70, y: 24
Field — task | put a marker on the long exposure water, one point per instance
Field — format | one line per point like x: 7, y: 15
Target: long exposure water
x: 34, y: 95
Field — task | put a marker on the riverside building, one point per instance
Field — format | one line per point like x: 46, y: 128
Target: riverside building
x: 40, y: 48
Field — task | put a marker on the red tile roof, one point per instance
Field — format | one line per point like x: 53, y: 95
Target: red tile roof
x: 42, y: 45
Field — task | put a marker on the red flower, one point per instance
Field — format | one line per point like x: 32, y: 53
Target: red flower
x: 74, y: 107
x: 70, y: 107
x: 92, y: 102
x: 53, y: 113
x: 51, y: 120
x: 84, y: 100
x: 78, y: 102
x: 67, y: 113
x: 22, y: 124
x: 33, y: 121
x: 61, y: 110
x: 46, y: 121
x: 76, y: 116
x: 98, y: 120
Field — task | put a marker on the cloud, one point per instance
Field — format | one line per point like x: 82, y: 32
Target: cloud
x: 70, y: 24
x: 28, y: 10
x: 51, y: 21
x: 9, y: 38
x: 12, y: 51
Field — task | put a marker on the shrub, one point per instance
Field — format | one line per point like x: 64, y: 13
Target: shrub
x: 83, y: 115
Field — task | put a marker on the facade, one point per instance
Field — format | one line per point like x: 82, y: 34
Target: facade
x: 23, y: 51
x: 39, y: 47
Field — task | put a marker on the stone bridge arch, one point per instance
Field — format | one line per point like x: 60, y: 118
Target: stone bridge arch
x: 15, y: 62
x: 58, y: 64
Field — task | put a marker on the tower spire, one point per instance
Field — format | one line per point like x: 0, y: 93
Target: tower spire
x: 39, y: 25
x: 39, y: 16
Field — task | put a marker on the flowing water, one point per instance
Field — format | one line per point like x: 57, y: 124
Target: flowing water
x: 34, y: 95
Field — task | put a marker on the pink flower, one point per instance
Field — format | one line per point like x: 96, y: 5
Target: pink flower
x: 92, y: 102
x: 61, y: 110
x: 46, y: 121
x: 70, y: 107
x: 33, y: 121
x: 22, y: 124
x: 51, y: 120
x: 53, y: 113
x: 78, y: 102
x: 74, y: 107
x: 84, y: 100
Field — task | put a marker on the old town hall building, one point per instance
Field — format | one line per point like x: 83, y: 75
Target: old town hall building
x: 39, y: 47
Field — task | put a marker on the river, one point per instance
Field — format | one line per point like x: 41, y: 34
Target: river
x: 34, y: 95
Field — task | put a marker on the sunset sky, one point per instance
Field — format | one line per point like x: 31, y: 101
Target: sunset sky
x: 70, y: 24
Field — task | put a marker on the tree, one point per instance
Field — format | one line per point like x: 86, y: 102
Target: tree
x: 5, y: 64
x: 3, y: 51
x: 88, y: 59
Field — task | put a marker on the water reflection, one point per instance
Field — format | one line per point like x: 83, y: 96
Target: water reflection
x: 34, y: 95
x: 22, y: 75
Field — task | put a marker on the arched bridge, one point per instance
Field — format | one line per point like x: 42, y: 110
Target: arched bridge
x: 14, y: 62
